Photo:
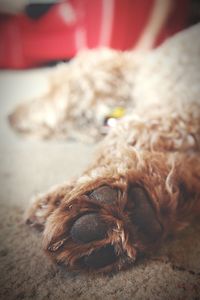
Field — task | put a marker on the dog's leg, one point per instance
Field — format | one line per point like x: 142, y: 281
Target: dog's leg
x: 44, y: 204
x: 112, y: 216
x: 128, y: 201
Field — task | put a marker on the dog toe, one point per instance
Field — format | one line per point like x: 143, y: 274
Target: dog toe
x: 88, y: 228
x: 104, y: 195
x: 101, y: 258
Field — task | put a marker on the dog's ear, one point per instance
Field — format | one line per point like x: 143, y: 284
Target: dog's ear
x: 143, y: 213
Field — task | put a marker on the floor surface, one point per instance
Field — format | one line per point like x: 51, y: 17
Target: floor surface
x: 28, y: 167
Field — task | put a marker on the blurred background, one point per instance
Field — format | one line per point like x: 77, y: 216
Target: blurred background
x: 37, y: 33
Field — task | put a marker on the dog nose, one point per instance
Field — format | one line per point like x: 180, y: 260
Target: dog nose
x: 88, y: 228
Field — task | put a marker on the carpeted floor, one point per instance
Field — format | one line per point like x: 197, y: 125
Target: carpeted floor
x: 28, y: 167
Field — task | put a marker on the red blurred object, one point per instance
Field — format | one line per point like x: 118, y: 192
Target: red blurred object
x: 76, y: 24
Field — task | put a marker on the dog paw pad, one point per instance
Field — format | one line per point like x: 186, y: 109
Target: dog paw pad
x: 104, y: 195
x: 101, y: 258
x: 88, y: 228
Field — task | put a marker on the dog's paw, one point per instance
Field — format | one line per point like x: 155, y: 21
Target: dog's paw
x: 103, y: 229
x: 43, y: 205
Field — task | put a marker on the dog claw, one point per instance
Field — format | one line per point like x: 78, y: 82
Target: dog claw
x: 33, y: 223
x: 88, y: 228
x: 54, y: 247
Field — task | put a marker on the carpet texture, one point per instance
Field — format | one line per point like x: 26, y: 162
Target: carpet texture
x: 28, y: 167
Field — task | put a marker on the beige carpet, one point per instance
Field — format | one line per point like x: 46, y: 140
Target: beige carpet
x: 28, y: 167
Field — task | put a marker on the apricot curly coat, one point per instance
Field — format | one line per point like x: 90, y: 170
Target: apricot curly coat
x: 144, y: 183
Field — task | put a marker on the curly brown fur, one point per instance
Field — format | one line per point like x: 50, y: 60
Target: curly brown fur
x: 142, y: 186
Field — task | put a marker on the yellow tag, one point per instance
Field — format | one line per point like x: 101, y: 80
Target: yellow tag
x: 118, y: 112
